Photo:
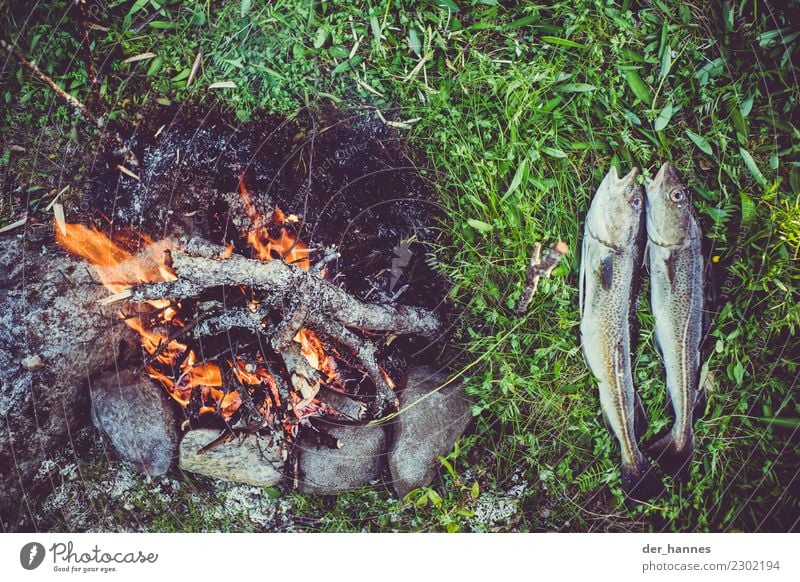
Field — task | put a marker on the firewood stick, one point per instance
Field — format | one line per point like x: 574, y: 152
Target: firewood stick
x: 232, y: 317
x: 304, y: 378
x: 281, y: 281
x: 537, y: 269
x: 34, y: 68
x: 345, y: 404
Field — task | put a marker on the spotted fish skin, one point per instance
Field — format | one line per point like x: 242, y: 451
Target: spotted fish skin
x: 611, y: 260
x: 677, y: 299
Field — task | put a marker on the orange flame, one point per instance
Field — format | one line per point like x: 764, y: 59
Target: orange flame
x: 284, y: 246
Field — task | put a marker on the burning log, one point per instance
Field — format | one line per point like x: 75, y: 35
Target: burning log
x: 281, y: 281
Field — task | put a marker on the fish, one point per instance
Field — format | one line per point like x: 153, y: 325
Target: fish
x: 611, y: 261
x: 677, y: 300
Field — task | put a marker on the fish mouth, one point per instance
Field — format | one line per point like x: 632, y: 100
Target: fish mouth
x: 625, y: 181
x: 665, y: 173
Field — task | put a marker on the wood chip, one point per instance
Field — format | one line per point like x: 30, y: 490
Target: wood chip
x: 58, y: 212
x: 222, y: 85
x: 54, y: 200
x: 128, y: 173
x: 14, y: 225
x: 197, y: 60
x: 139, y: 57
x: 116, y: 298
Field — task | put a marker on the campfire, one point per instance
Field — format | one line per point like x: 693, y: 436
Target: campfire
x: 250, y: 335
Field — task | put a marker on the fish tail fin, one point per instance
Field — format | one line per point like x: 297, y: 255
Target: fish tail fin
x: 673, y: 458
x: 640, y: 482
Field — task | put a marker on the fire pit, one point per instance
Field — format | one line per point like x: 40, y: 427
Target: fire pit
x: 279, y: 278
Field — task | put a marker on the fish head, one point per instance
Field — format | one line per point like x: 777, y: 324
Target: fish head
x: 669, y: 212
x: 615, y: 216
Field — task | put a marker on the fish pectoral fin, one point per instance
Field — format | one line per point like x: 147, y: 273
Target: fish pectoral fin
x: 670, y: 264
x: 607, y: 272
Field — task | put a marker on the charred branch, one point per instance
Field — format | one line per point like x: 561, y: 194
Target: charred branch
x: 347, y: 406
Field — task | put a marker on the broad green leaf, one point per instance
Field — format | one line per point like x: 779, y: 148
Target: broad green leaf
x: 321, y: 37
x: 376, y: 28
x: 748, y: 209
x: 738, y: 373
x: 563, y: 42
x: 632, y: 117
x: 347, y: 64
x: 517, y: 179
x: 554, y: 152
x: 575, y: 88
x: 479, y: 225
x: 639, y: 87
x: 414, y: 42
x: 666, y: 62
x: 751, y: 165
x: 700, y: 142
x: 746, y: 106
x: 245, y: 8
x: 781, y: 421
x: 663, y: 117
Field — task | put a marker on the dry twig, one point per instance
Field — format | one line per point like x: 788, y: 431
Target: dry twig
x: 538, y: 268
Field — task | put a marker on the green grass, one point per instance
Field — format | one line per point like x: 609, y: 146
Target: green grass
x: 518, y: 110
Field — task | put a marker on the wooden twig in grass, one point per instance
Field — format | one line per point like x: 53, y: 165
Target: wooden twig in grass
x: 34, y: 68
x: 539, y: 267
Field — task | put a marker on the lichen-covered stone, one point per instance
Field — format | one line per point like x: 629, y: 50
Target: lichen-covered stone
x: 251, y: 459
x: 428, y: 426
x: 325, y: 470
x: 133, y: 412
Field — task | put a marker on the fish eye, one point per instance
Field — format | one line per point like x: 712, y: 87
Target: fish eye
x: 636, y: 201
x: 676, y: 195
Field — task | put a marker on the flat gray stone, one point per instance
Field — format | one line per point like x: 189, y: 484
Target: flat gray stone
x: 135, y: 415
x: 252, y: 460
x: 327, y: 471
x: 428, y: 428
